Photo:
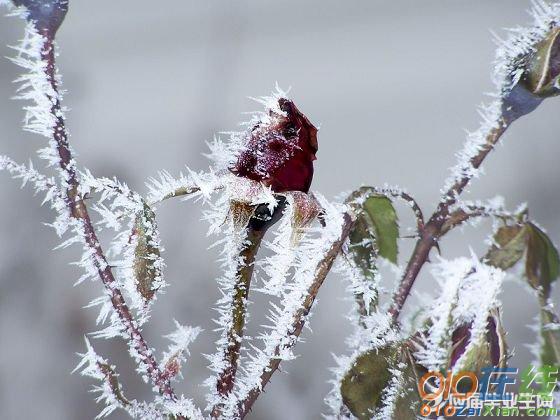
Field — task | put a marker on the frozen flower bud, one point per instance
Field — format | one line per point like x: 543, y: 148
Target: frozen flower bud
x: 539, y: 77
x: 47, y: 15
x: 542, y: 68
x: 280, y: 150
x: 305, y: 209
x: 489, y: 350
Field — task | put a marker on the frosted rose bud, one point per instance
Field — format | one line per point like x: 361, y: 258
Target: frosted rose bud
x: 280, y: 150
x: 542, y: 68
x: 48, y: 15
x: 490, y: 350
x: 540, y: 78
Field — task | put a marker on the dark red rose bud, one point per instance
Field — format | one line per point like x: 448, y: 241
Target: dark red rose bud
x: 280, y: 151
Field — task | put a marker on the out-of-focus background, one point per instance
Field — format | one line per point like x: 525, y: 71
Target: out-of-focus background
x: 393, y: 87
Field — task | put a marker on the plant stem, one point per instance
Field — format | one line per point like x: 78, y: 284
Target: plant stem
x: 239, y: 309
x: 79, y: 212
x: 299, y: 317
x: 434, y: 229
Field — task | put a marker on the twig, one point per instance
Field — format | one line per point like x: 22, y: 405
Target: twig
x: 462, y: 215
x: 226, y: 379
x: 433, y: 230
x: 299, y: 318
x: 80, y: 213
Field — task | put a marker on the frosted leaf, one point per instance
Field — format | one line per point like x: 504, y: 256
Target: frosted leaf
x: 177, y: 353
x: 469, y: 291
x: 391, y: 394
x: 376, y: 331
x: 299, y: 213
x: 110, y: 390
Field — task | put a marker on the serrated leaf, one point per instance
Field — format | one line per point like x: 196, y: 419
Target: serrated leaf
x: 543, y: 263
x: 146, y: 253
x: 510, y: 245
x: 381, y: 215
x: 362, y: 388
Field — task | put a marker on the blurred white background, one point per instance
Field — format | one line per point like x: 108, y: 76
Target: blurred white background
x: 392, y: 85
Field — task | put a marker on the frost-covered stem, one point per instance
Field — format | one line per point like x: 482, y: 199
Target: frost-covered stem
x: 299, y: 318
x: 245, y: 269
x: 451, y: 196
x: 434, y: 229
x: 460, y: 216
x: 79, y: 211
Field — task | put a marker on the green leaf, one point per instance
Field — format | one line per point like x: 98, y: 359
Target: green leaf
x: 362, y: 388
x: 550, y: 335
x: 542, y: 263
x: 382, y: 217
x: 510, y: 245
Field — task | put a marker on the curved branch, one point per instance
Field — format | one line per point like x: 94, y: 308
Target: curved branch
x: 463, y: 214
x: 364, y: 192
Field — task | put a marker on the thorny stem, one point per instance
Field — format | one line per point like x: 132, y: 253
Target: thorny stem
x: 461, y: 215
x: 434, y: 229
x: 79, y: 211
x: 226, y: 379
x: 299, y: 317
